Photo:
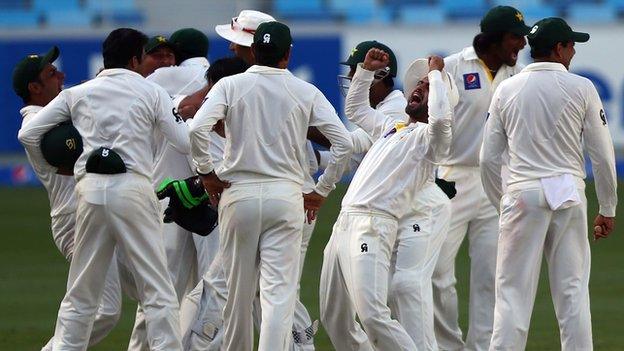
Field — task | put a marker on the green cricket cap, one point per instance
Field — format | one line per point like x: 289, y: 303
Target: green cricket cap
x: 548, y: 32
x: 61, y: 146
x: 358, y: 54
x: 156, y: 42
x: 190, y: 41
x: 504, y: 19
x: 28, y: 69
x: 274, y: 36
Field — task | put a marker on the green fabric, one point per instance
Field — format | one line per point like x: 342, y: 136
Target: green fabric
x: 190, y: 41
x: 504, y: 19
x: 358, y: 54
x: 156, y: 42
x: 28, y: 69
x: 275, y: 35
x: 183, y: 192
x: 550, y: 31
x: 61, y: 146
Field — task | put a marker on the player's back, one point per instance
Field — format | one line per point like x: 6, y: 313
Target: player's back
x: 184, y: 79
x: 543, y: 111
x: 268, y: 113
x: 118, y: 110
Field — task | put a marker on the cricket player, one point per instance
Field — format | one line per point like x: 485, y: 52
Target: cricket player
x: 422, y: 229
x: 188, y: 256
x: 259, y: 184
x: 159, y: 52
x: 477, y: 70
x: 116, y: 204
x: 356, y: 261
x: 37, y: 81
x: 544, y: 115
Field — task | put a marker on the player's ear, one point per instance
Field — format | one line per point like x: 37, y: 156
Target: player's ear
x: 34, y: 88
x: 287, y: 55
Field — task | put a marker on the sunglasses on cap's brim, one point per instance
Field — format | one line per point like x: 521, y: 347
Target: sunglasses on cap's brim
x: 344, y: 81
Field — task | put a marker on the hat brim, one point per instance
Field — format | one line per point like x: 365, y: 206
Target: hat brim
x: 226, y: 32
x: 419, y: 69
x: 580, y: 37
x: 50, y: 56
x: 521, y: 30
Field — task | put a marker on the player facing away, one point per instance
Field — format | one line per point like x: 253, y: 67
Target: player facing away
x: 544, y: 115
x: 116, y: 204
x: 423, y: 228
x: 37, y: 81
x: 258, y: 187
x: 477, y: 71
x: 356, y: 259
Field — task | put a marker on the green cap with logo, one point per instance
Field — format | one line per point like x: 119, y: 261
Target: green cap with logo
x: 550, y: 31
x: 61, y: 146
x: 274, y: 36
x: 358, y: 54
x: 504, y: 19
x: 156, y: 42
x: 190, y: 41
x: 28, y: 69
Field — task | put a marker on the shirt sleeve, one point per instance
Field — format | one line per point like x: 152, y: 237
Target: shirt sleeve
x: 171, y: 124
x: 490, y: 158
x: 32, y: 132
x: 599, y: 145
x: 357, y: 105
x: 361, y: 141
x: 440, y: 117
x: 212, y: 110
x: 324, y: 117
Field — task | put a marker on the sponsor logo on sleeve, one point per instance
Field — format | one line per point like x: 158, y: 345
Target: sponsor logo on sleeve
x: 472, y: 81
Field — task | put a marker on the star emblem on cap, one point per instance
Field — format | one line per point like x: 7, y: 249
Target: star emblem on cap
x: 161, y: 38
x: 353, y: 51
x: 33, y: 56
x: 519, y: 16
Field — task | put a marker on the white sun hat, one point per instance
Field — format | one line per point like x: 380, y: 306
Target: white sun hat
x: 419, y: 69
x: 242, y: 28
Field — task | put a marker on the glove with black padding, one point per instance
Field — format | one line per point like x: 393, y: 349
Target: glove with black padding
x: 188, y: 205
x: 447, y: 187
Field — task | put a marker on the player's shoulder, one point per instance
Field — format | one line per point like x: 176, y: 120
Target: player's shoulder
x: 459, y: 57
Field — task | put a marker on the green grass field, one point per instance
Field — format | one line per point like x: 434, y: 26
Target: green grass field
x: 33, y: 277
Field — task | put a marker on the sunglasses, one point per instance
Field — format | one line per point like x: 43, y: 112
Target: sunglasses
x: 344, y: 81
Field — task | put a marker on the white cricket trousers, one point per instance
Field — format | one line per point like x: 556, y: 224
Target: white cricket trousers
x: 472, y: 215
x: 421, y: 234
x: 117, y: 211
x: 260, y: 226
x: 530, y: 229
x: 354, y: 280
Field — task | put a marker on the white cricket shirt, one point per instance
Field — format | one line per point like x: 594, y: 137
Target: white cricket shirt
x: 60, y: 188
x: 117, y: 109
x: 267, y: 112
x: 543, y: 115
x: 403, y: 158
x: 476, y: 87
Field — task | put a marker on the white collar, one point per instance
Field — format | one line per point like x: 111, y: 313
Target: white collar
x: 469, y: 53
x: 544, y: 66
x: 195, y: 61
x: 267, y: 70
x: 394, y: 95
x: 116, y: 71
x: 28, y: 109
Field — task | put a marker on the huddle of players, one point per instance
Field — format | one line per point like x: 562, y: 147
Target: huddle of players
x: 392, y: 251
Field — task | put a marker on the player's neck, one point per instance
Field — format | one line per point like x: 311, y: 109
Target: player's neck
x: 492, y: 62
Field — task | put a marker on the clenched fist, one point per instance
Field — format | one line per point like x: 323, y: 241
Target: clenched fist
x: 376, y: 59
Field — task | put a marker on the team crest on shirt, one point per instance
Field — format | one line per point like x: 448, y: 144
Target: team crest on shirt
x: 472, y: 81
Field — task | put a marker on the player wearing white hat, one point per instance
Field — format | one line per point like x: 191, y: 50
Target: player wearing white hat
x: 477, y: 71
x: 116, y: 204
x: 421, y: 231
x: 188, y: 255
x: 543, y: 116
x: 356, y: 270
x: 37, y: 81
x: 261, y: 210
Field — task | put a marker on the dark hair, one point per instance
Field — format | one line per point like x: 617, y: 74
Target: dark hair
x: 388, y: 81
x: 483, y: 41
x: 121, y: 46
x: 26, y: 96
x: 544, y: 51
x: 227, y: 66
x: 267, y: 55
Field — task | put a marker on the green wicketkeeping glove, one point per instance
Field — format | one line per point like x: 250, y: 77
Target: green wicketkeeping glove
x: 189, y: 192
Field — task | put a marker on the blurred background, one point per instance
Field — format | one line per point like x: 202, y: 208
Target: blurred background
x: 33, y: 273
x: 324, y: 33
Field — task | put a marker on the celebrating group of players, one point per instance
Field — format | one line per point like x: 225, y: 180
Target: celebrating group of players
x: 473, y: 146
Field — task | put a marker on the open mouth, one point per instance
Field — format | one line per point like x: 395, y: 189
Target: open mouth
x: 416, y: 98
x: 514, y: 54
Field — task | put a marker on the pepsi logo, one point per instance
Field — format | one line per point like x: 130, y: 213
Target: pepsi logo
x: 471, y: 78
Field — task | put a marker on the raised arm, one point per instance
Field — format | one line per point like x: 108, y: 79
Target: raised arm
x: 599, y: 145
x: 494, y: 144
x: 357, y: 105
x: 440, y: 112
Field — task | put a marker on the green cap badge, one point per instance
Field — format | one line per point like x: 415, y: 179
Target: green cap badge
x: 359, y: 53
x: 504, y: 19
x: 28, y: 69
x: 550, y: 31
